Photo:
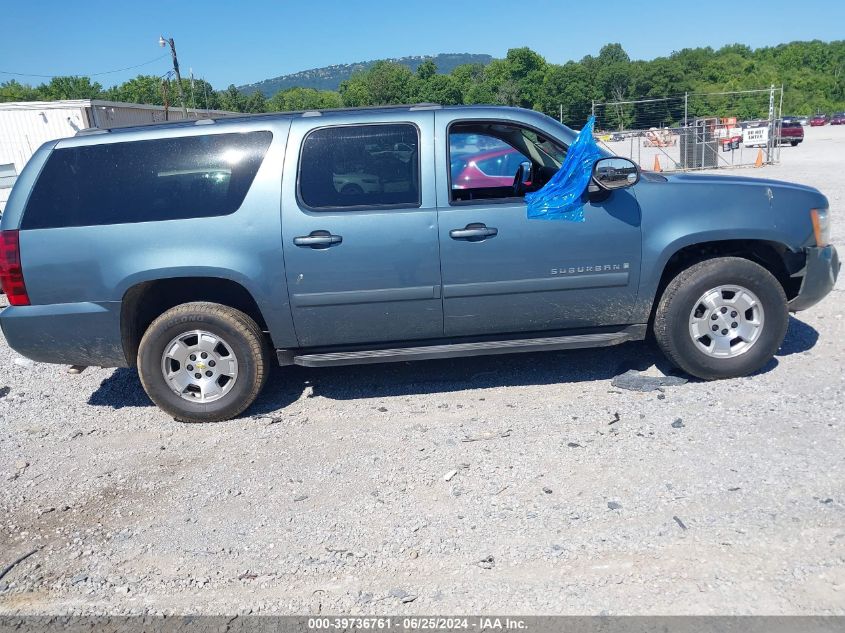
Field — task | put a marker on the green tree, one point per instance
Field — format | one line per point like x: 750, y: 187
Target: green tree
x: 442, y: 89
x: 355, y: 91
x: 426, y: 70
x: 813, y: 74
x: 390, y: 83
x: 468, y: 80
x: 141, y: 89
x: 613, y: 81
x: 204, y: 95
x: 15, y: 91
x: 566, y: 89
x: 480, y: 94
x: 255, y: 103
x: 612, y: 54
x: 384, y: 83
x: 69, y: 88
x: 231, y: 99
x: 516, y: 80
x: 294, y: 99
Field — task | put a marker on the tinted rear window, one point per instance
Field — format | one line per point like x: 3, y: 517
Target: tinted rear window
x: 146, y: 181
x: 360, y: 166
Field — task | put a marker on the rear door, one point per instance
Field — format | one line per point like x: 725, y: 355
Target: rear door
x: 359, y: 228
x: 503, y: 273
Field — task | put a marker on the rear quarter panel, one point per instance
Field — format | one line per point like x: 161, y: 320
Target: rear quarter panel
x: 98, y: 264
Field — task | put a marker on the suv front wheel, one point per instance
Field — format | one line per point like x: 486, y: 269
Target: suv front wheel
x: 721, y: 318
x: 203, y: 362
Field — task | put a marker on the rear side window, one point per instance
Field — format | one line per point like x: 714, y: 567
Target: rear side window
x: 360, y: 166
x: 146, y: 181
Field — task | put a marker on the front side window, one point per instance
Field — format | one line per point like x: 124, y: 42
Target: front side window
x: 485, y: 159
x: 361, y: 166
x: 146, y: 181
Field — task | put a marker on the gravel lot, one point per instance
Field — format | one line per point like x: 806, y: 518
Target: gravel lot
x: 515, y: 484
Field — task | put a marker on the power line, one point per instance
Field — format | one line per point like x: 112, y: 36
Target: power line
x: 106, y: 72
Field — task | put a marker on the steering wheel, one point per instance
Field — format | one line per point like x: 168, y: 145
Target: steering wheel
x: 519, y: 179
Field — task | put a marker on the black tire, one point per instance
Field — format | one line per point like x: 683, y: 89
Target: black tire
x: 240, y: 332
x: 794, y: 143
x: 672, y: 317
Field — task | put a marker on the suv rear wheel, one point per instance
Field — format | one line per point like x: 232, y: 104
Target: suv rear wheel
x: 203, y: 362
x: 721, y: 318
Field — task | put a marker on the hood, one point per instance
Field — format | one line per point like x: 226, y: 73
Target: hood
x: 744, y: 194
x: 711, y: 179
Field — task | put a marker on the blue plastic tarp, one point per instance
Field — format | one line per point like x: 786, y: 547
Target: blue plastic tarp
x: 560, y: 198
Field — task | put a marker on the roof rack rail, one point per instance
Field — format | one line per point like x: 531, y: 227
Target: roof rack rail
x: 89, y: 131
x: 235, y: 117
x: 325, y: 111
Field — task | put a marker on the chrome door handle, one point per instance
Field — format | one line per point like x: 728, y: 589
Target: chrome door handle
x: 474, y: 232
x: 318, y: 239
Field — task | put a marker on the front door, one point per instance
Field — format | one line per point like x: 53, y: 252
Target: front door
x: 359, y: 227
x: 503, y: 273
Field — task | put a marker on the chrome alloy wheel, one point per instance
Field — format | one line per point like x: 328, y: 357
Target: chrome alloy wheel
x: 199, y: 366
x: 726, y: 321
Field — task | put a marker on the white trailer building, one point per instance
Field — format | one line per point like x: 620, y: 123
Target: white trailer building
x: 25, y: 125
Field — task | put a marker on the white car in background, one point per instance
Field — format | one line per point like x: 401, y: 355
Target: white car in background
x: 354, y: 184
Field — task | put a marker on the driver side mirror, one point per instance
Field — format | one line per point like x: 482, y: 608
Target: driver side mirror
x: 525, y: 170
x: 615, y: 173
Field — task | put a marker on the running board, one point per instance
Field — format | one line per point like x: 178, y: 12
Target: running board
x: 453, y: 350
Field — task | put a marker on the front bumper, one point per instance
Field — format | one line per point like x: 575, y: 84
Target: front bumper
x: 820, y: 273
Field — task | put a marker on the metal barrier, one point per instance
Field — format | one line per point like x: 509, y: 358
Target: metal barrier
x: 694, y: 131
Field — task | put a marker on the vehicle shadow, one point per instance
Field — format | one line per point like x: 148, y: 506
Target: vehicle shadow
x: 800, y: 337
x: 287, y: 384
x: 121, y: 389
x: 450, y: 375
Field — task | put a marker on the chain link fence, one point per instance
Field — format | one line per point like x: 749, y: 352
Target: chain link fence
x: 695, y: 130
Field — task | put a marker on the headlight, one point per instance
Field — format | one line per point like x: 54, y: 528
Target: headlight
x: 821, y: 226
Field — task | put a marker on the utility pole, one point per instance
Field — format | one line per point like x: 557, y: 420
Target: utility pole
x: 773, y: 126
x: 164, y: 95
x: 163, y: 42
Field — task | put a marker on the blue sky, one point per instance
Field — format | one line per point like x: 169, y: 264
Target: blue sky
x: 242, y: 42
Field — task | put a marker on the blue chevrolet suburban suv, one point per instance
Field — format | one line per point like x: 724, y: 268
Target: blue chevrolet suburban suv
x: 200, y: 251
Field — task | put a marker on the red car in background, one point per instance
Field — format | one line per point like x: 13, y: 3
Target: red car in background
x: 838, y: 119
x: 494, y: 168
x: 791, y: 132
x: 818, y: 120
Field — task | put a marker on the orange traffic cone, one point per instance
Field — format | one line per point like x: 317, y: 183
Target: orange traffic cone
x: 759, y: 161
x: 656, y: 164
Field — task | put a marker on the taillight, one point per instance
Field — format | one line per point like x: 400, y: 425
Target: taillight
x: 11, y: 273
